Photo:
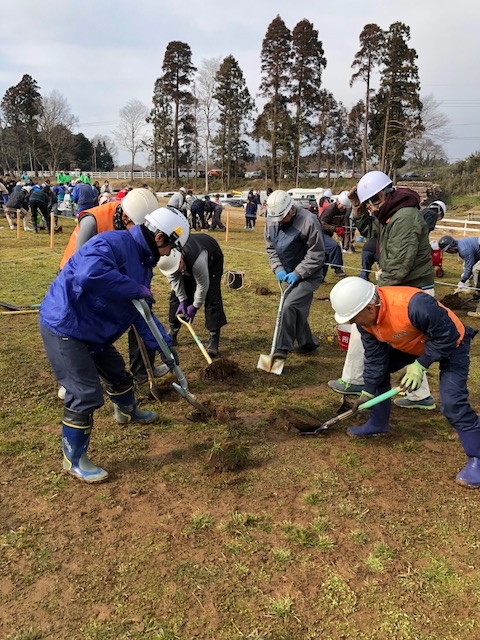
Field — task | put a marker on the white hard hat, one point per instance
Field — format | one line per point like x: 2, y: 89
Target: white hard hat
x: 137, y: 203
x: 344, y: 199
x: 170, y: 264
x: 327, y: 193
x: 279, y: 204
x: 372, y: 183
x: 441, y: 205
x: 183, y: 190
x: 349, y: 296
x: 171, y: 222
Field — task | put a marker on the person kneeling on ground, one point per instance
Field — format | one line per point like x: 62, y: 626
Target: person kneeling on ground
x: 405, y: 327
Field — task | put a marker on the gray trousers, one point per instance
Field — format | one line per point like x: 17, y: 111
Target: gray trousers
x: 294, y: 325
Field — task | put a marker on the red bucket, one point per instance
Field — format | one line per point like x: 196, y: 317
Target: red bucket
x: 343, y: 331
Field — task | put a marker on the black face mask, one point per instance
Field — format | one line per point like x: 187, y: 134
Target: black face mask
x: 150, y: 239
x: 118, y: 223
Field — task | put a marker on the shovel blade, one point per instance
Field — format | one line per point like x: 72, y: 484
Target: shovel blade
x: 270, y: 364
x: 190, y: 398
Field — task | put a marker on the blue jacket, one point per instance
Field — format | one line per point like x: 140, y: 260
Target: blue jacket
x: 91, y: 299
x: 469, y: 251
x: 84, y: 195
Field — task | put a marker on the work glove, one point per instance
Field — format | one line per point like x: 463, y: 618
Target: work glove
x: 340, y: 232
x: 182, y: 308
x: 413, y: 377
x: 363, y: 397
x: 281, y: 275
x: 147, y: 294
x: 191, y: 311
x: 291, y: 278
x: 462, y: 285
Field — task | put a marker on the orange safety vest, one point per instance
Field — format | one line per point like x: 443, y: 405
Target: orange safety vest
x: 393, y: 324
x: 104, y: 217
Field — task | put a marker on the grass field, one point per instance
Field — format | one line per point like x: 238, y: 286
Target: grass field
x: 303, y: 538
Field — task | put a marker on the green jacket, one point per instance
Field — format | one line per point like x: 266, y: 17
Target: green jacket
x: 404, y: 249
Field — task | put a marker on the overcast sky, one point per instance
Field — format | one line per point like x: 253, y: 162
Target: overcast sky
x: 102, y: 53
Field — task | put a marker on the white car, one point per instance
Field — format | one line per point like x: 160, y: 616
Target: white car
x: 324, y: 173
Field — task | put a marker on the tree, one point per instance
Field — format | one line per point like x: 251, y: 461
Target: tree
x: 306, y: 81
x: 129, y: 133
x: 235, y: 108
x: 161, y: 119
x: 103, y: 152
x: 366, y: 59
x: 276, y: 59
x: 21, y: 106
x: 55, y: 122
x: 355, y: 134
x: 178, y: 71
x: 426, y: 149
x: 396, y: 117
x: 325, y: 107
x: 82, y: 151
x: 206, y: 106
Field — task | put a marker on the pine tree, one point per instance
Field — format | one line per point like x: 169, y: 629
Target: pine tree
x: 306, y: 79
x: 396, y: 112
x: 367, y: 58
x: 276, y: 67
x: 235, y: 108
x: 177, y: 77
x: 161, y: 119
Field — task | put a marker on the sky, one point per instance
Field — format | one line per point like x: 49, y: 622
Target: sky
x: 99, y: 54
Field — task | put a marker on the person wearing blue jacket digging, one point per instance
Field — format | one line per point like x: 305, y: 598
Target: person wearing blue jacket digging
x: 406, y: 327
x: 469, y: 251
x: 86, y: 309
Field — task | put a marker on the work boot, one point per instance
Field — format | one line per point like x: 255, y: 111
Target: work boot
x: 212, y: 346
x: 469, y: 476
x: 377, y: 424
x: 173, y: 332
x: 126, y: 411
x: 76, y: 431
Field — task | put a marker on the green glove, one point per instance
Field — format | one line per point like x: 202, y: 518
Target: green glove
x: 413, y: 376
x: 364, y: 396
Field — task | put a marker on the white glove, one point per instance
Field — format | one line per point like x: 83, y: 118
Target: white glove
x: 378, y: 273
x: 461, y: 286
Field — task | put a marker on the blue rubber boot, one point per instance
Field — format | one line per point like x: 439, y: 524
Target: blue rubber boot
x: 76, y: 431
x: 126, y: 411
x: 469, y: 476
x: 377, y: 424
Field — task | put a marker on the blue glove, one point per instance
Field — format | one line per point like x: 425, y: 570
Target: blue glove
x: 291, y: 278
x: 281, y: 275
x: 182, y: 308
x: 191, y: 311
x: 147, y: 294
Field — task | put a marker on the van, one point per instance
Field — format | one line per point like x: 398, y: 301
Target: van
x: 306, y: 194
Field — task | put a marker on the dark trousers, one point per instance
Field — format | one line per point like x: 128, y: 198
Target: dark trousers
x: 36, y: 207
x: 333, y: 254
x: 454, y: 404
x: 79, y: 371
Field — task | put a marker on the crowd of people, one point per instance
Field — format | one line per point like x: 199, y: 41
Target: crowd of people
x: 395, y: 320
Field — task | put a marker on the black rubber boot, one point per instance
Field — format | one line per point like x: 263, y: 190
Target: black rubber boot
x: 212, y: 347
x: 173, y: 332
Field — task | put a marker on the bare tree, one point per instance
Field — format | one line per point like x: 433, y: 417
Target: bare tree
x: 426, y: 149
x: 55, y: 121
x: 129, y: 133
x: 204, y: 91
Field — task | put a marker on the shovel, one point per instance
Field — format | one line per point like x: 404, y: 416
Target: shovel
x: 366, y: 405
x: 269, y: 363
x: 181, y: 319
x: 182, y: 386
x: 154, y: 388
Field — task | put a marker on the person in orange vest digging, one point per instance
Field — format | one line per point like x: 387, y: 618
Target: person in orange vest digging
x: 406, y: 327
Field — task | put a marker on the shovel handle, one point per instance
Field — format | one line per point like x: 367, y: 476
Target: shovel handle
x: 181, y: 319
x: 366, y: 405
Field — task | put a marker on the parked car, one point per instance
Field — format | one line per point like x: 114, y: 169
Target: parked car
x: 215, y: 173
x: 234, y: 202
x: 411, y: 174
x: 307, y: 203
x: 349, y: 173
x: 324, y: 173
x: 258, y: 173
